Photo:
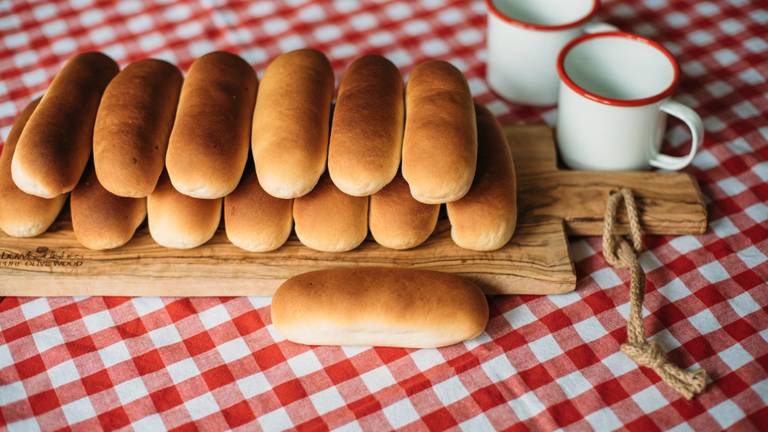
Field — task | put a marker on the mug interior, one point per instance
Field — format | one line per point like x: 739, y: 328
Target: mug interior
x: 548, y: 13
x: 619, y: 67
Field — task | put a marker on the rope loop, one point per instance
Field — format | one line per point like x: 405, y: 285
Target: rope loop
x: 620, y: 253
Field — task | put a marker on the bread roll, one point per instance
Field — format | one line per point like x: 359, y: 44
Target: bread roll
x: 397, y: 220
x: 485, y: 219
x: 179, y: 221
x: 440, y: 141
x: 255, y: 220
x: 209, y: 141
x: 132, y: 127
x: 367, y: 129
x: 329, y: 220
x: 291, y: 122
x: 379, y: 306
x: 100, y: 219
x: 55, y: 145
x: 21, y: 214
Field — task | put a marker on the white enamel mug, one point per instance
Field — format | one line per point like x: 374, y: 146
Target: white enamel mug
x: 614, y: 99
x: 524, y: 39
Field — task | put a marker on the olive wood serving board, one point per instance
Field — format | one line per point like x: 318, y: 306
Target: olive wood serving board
x: 553, y: 204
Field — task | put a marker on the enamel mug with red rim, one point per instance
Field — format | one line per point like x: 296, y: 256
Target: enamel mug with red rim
x: 613, y: 104
x: 524, y: 39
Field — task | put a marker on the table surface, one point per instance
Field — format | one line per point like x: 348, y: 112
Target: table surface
x: 544, y: 362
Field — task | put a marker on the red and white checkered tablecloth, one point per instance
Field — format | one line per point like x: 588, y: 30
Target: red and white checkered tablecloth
x: 545, y: 362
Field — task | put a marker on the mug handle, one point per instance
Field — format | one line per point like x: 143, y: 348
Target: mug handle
x: 694, y: 123
x: 599, y: 27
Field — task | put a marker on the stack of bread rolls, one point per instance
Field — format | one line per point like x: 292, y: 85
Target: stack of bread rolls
x: 145, y: 142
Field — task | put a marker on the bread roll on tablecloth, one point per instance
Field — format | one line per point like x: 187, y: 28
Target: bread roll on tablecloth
x: 132, y: 127
x: 398, y: 221
x: 21, y: 214
x: 485, y: 219
x: 440, y: 141
x: 208, y: 146
x: 329, y: 220
x: 255, y: 220
x: 291, y: 123
x: 55, y: 145
x: 380, y: 307
x: 367, y: 129
x: 179, y: 221
x: 101, y: 219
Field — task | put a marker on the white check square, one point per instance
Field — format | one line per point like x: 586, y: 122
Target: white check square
x: 590, y: 329
x: 603, y: 420
x: 305, y: 363
x: 12, y: 392
x: 63, y: 373
x: 736, y: 356
x: 214, y: 316
x: 705, y: 322
x: 526, y: 406
x: 450, y: 391
x: 98, y: 321
x: 327, y: 400
x: 574, y: 384
x: 726, y: 413
x: 498, y: 368
x: 744, y: 304
x: 378, y: 379
x: 545, y: 348
x: 426, y: 359
x: 649, y: 399
x: 233, y: 350
x: 253, y: 385
x: 202, y: 406
x: 165, y: 336
x: 131, y: 390
x: 114, y: 354
x: 182, y: 370
x: 401, y: 413
x: 47, y: 339
x: 35, y: 308
x: 79, y: 410
x: 276, y: 420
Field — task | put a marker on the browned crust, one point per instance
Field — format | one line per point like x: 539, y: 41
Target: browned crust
x: 291, y: 123
x: 132, y: 127
x: 440, y: 140
x: 209, y: 142
x: 367, y: 129
x: 21, y: 214
x: 329, y: 220
x: 100, y: 219
x: 398, y: 221
x: 54, y: 147
x: 388, y: 306
x: 255, y: 220
x: 485, y: 218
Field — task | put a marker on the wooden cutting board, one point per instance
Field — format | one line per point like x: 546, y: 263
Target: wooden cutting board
x: 553, y: 203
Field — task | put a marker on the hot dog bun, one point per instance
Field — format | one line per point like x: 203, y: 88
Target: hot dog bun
x: 367, y: 129
x: 55, y: 145
x: 101, y: 219
x: 21, y: 214
x: 485, y: 218
x: 329, y: 220
x: 255, y: 220
x: 132, y: 127
x: 208, y: 146
x: 291, y: 122
x: 398, y: 221
x: 379, y: 306
x: 440, y: 141
x: 179, y: 221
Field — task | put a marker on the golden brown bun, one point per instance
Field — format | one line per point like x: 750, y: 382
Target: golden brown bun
x: 440, y: 141
x: 21, y: 214
x: 132, y: 127
x: 367, y: 129
x: 209, y: 142
x: 291, y: 122
x: 55, y: 145
x: 397, y: 220
x: 179, y: 221
x: 100, y: 219
x: 485, y: 219
x: 380, y: 307
x: 329, y: 220
x: 255, y: 220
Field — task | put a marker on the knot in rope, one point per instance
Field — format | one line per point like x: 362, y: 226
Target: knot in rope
x: 620, y: 253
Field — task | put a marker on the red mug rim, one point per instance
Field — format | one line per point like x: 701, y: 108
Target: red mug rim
x: 531, y: 26
x: 611, y: 101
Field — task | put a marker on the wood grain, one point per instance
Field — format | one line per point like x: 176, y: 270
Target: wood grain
x: 536, y: 261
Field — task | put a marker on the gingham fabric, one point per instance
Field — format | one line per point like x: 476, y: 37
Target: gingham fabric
x: 545, y: 362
